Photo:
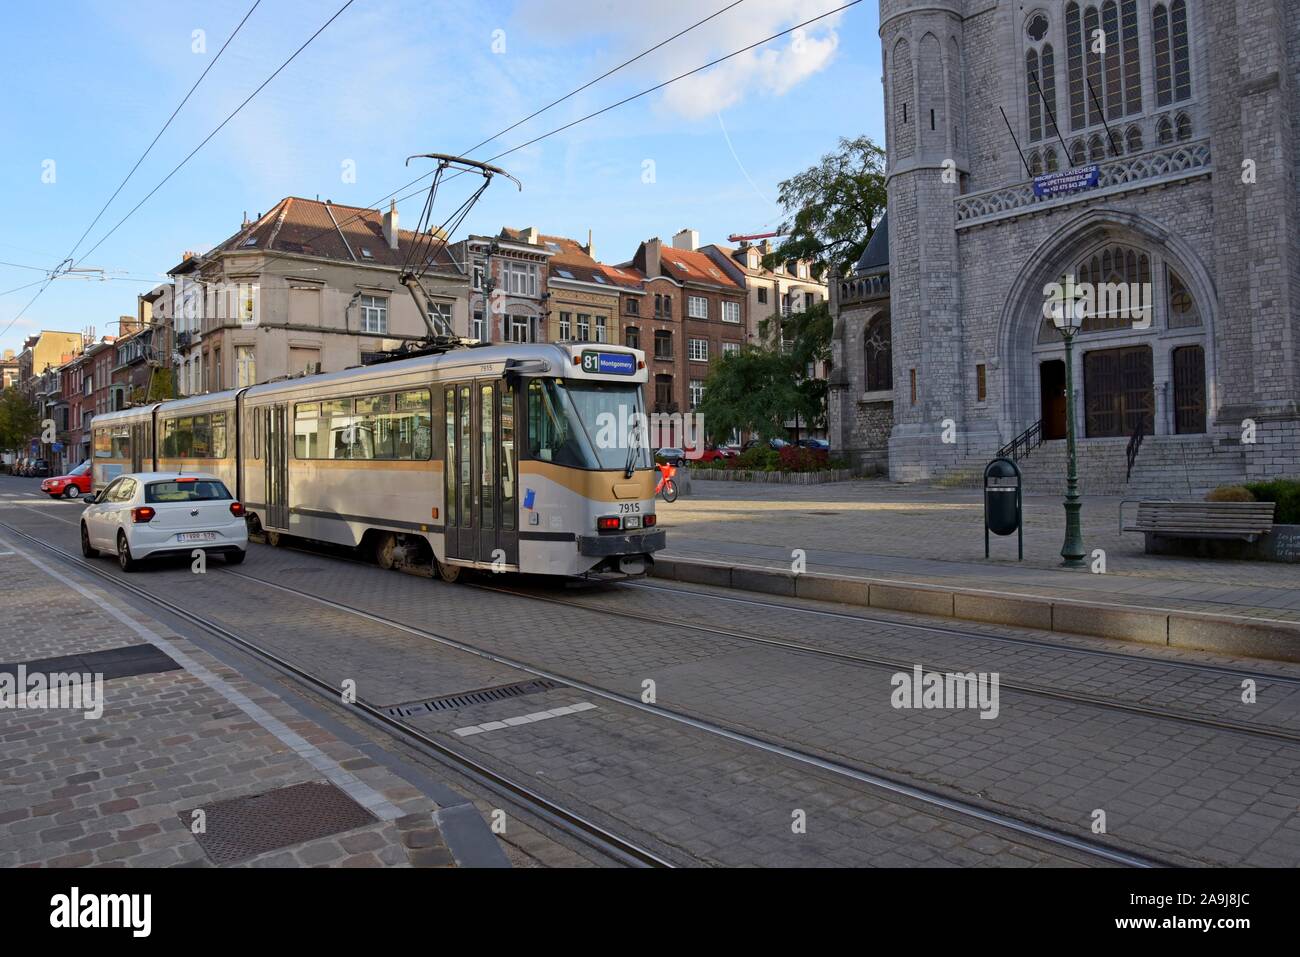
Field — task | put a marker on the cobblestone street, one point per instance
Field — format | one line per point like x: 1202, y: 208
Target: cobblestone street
x: 769, y: 734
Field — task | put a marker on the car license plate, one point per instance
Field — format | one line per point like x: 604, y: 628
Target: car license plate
x: 632, y: 521
x: 196, y: 537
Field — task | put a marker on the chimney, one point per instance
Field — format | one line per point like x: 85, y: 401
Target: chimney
x: 529, y: 235
x: 687, y: 239
x: 390, y: 225
x: 591, y: 247
x: 246, y: 222
x: 653, y: 249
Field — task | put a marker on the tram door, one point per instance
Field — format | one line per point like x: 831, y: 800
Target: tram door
x: 480, y: 472
x: 138, y: 450
x: 277, y: 466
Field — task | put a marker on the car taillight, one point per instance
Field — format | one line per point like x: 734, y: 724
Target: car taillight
x: 607, y: 523
x: 142, y: 514
x: 651, y: 519
x: 236, y: 509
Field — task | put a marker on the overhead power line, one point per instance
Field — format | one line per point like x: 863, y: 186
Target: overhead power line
x: 52, y: 273
x: 374, y: 206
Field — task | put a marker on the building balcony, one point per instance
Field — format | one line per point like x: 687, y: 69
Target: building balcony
x: 864, y: 288
x: 1168, y: 164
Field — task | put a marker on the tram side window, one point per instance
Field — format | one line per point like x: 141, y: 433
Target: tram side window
x: 121, y: 443
x: 103, y: 445
x: 195, y: 437
x: 385, y: 427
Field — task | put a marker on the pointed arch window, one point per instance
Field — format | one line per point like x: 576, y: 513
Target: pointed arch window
x: 1163, y: 55
x: 1035, y: 164
x: 1095, y: 89
x: 1031, y: 91
x: 1133, y: 140
x: 1096, y: 149
x: 1112, y: 60
x: 879, y: 355
x: 1121, y: 278
x: 1183, y: 127
x: 1132, y: 58
x: 1181, y: 52
x: 1078, y: 153
x: 1074, y: 65
x: 1050, y: 161
x: 1164, y: 131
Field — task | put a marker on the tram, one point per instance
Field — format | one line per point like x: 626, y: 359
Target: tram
x: 515, y: 458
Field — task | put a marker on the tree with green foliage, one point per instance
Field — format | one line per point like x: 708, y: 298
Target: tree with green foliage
x: 18, y: 420
x: 760, y: 388
x: 832, y: 208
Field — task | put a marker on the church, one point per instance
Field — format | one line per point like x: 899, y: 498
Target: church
x: 1145, y: 145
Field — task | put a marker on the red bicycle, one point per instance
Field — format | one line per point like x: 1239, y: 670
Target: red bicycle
x: 667, y: 487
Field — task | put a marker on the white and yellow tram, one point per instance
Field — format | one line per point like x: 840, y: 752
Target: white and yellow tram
x: 514, y: 457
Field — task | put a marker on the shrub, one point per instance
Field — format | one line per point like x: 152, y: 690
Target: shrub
x: 1230, y: 493
x: 1285, y: 493
x: 792, y: 458
x: 760, y: 458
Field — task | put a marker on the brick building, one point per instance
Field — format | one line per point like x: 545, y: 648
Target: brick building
x: 702, y: 313
x: 1158, y: 124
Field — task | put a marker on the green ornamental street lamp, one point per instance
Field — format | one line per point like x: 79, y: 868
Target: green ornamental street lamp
x: 1067, y: 315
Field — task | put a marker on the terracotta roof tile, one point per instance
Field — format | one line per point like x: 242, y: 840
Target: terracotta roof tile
x: 306, y: 226
x: 691, y: 265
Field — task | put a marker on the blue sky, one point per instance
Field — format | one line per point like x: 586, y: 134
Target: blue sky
x: 88, y: 85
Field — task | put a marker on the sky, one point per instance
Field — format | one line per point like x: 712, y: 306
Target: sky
x: 87, y: 86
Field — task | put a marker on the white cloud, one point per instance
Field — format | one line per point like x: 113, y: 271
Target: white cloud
x: 772, y: 69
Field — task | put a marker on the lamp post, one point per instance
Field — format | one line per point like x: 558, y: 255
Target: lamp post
x: 1067, y: 315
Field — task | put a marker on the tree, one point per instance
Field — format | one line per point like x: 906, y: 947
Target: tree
x: 760, y: 388
x: 748, y: 391
x: 832, y: 208
x: 18, y: 419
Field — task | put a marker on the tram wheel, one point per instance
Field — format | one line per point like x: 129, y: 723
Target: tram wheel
x: 448, y: 573
x: 273, y: 538
x: 385, y: 549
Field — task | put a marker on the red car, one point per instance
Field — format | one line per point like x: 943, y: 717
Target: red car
x: 712, y: 452
x: 72, y: 485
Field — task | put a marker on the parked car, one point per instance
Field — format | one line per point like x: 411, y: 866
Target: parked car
x: 821, y: 444
x: 777, y: 444
x: 671, y: 456
x: 152, y: 514
x: 711, y: 453
x: 72, y: 485
x: 38, y: 469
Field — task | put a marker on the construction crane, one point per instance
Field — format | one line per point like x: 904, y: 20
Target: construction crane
x: 738, y: 238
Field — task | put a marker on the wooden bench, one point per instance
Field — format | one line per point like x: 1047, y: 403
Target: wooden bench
x: 1242, y: 521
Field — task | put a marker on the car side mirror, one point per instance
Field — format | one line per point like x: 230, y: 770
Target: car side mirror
x: 91, y: 499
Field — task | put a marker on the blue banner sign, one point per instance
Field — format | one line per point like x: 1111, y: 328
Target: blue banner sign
x: 1067, y: 181
x: 608, y: 363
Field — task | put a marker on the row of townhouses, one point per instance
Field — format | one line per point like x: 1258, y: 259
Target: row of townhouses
x: 313, y: 286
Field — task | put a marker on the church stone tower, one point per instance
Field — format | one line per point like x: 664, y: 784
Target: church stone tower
x: 926, y: 150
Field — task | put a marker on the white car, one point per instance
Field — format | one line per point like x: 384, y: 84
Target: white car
x: 148, y: 514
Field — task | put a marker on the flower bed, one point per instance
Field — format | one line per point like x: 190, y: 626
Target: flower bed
x: 760, y: 475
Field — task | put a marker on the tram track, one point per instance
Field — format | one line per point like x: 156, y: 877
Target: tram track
x: 895, y: 665
x: 899, y: 787
x: 618, y: 848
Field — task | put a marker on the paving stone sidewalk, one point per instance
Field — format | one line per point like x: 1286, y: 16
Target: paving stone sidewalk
x: 913, y: 533
x: 120, y: 789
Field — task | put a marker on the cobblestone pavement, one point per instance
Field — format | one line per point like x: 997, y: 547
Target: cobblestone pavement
x: 1179, y: 792
x: 112, y: 790
x: 917, y: 533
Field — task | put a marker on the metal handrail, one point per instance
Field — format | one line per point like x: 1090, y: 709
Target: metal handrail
x: 1134, y: 446
x: 1029, y: 440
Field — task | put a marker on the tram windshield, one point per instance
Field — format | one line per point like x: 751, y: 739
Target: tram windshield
x: 586, y: 424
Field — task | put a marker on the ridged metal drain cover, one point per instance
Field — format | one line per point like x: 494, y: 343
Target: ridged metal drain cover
x: 245, y: 827
x: 467, y: 698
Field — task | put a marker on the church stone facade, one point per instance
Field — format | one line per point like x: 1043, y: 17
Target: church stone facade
x: 1183, y: 115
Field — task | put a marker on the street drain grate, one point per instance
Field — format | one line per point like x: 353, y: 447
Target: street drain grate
x: 467, y: 698
x: 245, y: 827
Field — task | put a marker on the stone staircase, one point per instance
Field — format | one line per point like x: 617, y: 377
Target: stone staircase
x: 1166, y: 467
